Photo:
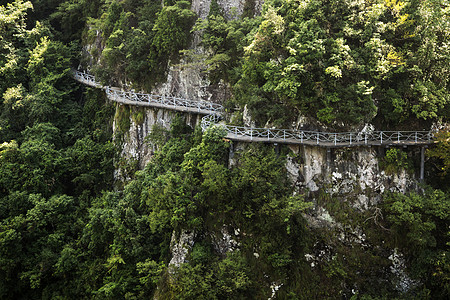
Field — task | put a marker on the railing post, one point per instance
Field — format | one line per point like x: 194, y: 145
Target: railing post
x: 381, y: 137
x: 317, y: 138
x: 398, y: 136
x: 415, y: 137
x: 301, y: 137
x: 350, y: 138
x: 268, y: 134
x: 235, y: 130
x: 284, y: 135
x: 365, y: 138
x: 335, y: 139
x: 251, y: 134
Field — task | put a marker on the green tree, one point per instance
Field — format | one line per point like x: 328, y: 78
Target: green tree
x: 226, y: 40
x: 438, y: 174
x: 52, y: 141
x: 141, y: 39
x: 420, y: 225
x: 14, y: 34
x: 442, y: 150
x: 171, y: 29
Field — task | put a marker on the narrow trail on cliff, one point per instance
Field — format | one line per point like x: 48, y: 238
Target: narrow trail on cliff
x: 214, y: 111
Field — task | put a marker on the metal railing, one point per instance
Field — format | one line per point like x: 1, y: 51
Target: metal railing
x: 214, y: 110
x: 170, y: 102
x: 320, y: 138
x: 86, y: 79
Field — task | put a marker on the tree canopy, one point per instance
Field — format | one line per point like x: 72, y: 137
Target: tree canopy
x: 343, y: 63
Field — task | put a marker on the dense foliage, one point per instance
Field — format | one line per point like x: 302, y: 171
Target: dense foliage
x: 55, y: 155
x: 419, y: 223
x: 138, y: 39
x: 341, y: 62
x: 67, y: 232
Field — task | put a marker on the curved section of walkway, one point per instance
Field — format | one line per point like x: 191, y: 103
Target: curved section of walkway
x: 213, y: 111
x: 141, y: 99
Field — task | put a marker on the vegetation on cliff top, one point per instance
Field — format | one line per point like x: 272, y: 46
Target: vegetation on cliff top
x: 341, y: 62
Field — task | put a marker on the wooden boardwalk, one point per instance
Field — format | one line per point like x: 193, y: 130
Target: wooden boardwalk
x: 213, y: 111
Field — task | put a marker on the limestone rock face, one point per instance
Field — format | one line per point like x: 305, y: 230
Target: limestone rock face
x: 225, y: 241
x: 89, y: 60
x: 180, y: 246
x: 136, y: 146
x: 354, y: 177
x: 247, y: 118
x: 201, y: 8
x: 404, y: 282
x: 351, y: 173
x: 232, y: 8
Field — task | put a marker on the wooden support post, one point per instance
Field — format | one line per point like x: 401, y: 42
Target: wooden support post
x: 422, y: 163
x: 328, y: 157
x: 231, y: 149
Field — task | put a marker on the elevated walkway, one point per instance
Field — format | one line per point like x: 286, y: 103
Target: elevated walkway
x: 213, y: 111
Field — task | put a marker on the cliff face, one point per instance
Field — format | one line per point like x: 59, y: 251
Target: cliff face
x: 353, y: 176
x: 342, y: 185
x: 135, y: 143
x: 350, y: 172
x: 186, y: 79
